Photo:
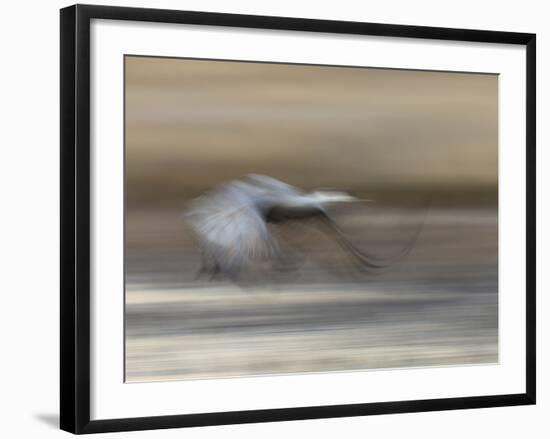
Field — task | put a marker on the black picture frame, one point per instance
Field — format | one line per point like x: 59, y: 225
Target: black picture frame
x: 75, y: 217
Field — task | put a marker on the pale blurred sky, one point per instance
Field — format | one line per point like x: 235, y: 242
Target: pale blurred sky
x: 191, y: 124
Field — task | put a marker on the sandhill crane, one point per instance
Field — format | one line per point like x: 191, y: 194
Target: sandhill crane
x: 231, y: 225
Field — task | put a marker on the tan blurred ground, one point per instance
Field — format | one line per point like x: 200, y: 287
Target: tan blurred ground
x: 438, y: 307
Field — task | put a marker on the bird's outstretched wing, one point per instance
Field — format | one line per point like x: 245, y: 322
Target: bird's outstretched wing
x: 365, y: 260
x: 326, y: 224
x: 235, y: 236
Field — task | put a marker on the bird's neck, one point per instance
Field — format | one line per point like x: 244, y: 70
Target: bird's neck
x: 306, y: 201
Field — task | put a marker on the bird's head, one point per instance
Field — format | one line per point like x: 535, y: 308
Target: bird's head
x: 326, y: 197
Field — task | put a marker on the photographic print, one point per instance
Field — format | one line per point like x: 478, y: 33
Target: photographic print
x: 293, y: 218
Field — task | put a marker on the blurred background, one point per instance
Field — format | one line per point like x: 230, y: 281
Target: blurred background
x: 399, y: 137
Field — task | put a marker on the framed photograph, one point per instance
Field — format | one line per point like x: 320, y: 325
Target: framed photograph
x: 273, y: 218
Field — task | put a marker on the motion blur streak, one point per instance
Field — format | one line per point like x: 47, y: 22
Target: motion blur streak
x: 398, y: 137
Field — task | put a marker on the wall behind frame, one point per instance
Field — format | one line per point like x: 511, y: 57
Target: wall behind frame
x: 29, y: 184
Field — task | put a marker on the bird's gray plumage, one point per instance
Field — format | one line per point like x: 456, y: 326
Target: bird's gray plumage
x: 230, y: 223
